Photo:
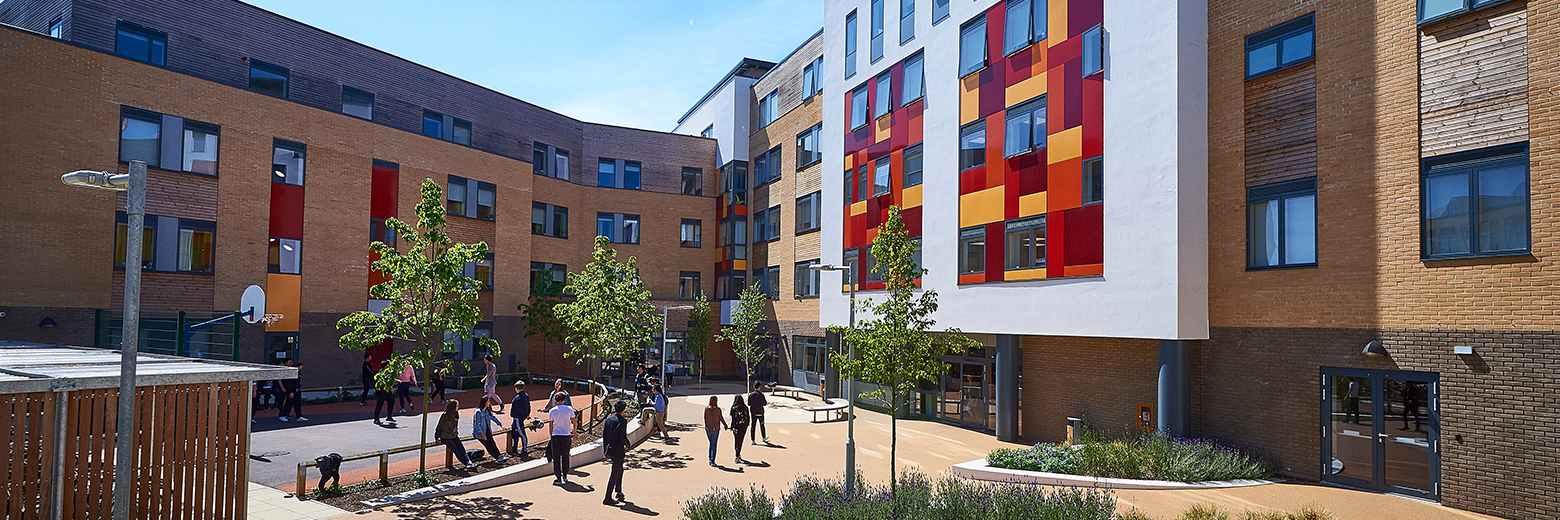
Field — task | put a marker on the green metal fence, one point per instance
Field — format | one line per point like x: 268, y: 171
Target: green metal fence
x: 207, y: 335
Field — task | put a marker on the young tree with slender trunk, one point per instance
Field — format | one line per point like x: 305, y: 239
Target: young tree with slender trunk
x: 895, y: 347
x: 611, y: 316
x: 428, y: 297
x: 541, y: 319
x: 743, y: 332
x: 700, y: 327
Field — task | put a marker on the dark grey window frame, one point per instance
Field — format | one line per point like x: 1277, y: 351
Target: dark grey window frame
x: 458, y: 125
x: 1035, y: 18
x: 1090, y: 194
x: 554, y: 270
x: 1471, y: 162
x: 808, y: 282
x: 1027, y: 225
x: 850, y: 186
x: 905, y: 94
x: 851, y: 26
x: 618, y: 221
x: 865, y: 103
x: 57, y: 30
x: 877, y: 31
x: 980, y: 125
x: 273, y: 69
x: 1278, y: 193
x: 814, y: 201
x: 551, y: 214
x: 1276, y: 35
x: 359, y: 96
x: 148, y: 247
x: 965, y: 69
x: 812, y: 78
x: 1094, y: 40
x: 940, y: 14
x: 915, y: 150
x: 436, y: 118
x: 299, y: 148
x: 807, y: 157
x: 1037, y: 139
x: 906, y: 21
x: 885, y: 100
x: 768, y: 108
x: 698, y: 180
x: 697, y: 285
x: 698, y: 233
x: 145, y: 116
x: 969, y: 233
x: 152, y: 36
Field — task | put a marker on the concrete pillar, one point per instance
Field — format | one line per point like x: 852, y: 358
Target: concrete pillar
x: 1009, y: 363
x: 1175, y: 390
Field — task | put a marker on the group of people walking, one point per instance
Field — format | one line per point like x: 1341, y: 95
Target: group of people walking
x: 743, y: 416
x: 284, y: 394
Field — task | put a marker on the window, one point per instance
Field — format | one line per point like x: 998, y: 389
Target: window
x: 877, y: 30
x: 1093, y: 181
x: 709, y: 132
x: 906, y: 21
x: 812, y: 78
x: 1282, y: 225
x: 807, y: 151
x: 869, y: 265
x: 549, y: 161
x: 972, y: 145
x: 688, y: 285
x: 849, y: 186
x: 357, y: 103
x: 773, y: 216
x: 972, y: 47
x: 200, y: 148
x: 379, y: 232
x: 915, y: 255
x: 549, y: 220
x: 853, y: 276
x: 850, y: 44
x: 1280, y: 47
x: 1025, y: 130
x: 807, y: 279
x: 972, y: 250
x: 863, y: 183
x: 455, y: 197
x: 1094, y: 51
x: 555, y: 273
x: 268, y: 79
x: 810, y: 354
x: 766, y: 167
x: 760, y: 226
x: 769, y: 281
x: 140, y: 136
x: 1477, y: 203
x: 692, y: 181
x: 858, y: 107
x: 606, y: 173
x: 881, y: 176
x: 139, y: 43
x: 1025, y: 246
x: 915, y: 81
x: 196, y: 239
x: 807, y: 208
x: 433, y: 124
x: 620, y: 228
x: 287, y: 160
x: 939, y: 10
x: 458, y: 199
x: 631, y: 175
x: 486, y: 196
x: 462, y: 133
x: 57, y: 28
x: 148, y: 240
x: 692, y: 233
x: 482, y: 272
x: 1435, y: 10
x: 767, y: 109
x: 912, y: 166
x: 1017, y: 34
x: 885, y: 95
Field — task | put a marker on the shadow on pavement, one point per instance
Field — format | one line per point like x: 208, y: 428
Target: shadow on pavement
x: 575, y: 487
x: 729, y: 470
x: 768, y: 444
x: 655, y: 458
x: 759, y: 464
x: 636, y: 509
x: 477, y: 507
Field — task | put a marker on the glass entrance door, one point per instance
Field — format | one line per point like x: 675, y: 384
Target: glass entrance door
x: 1381, y: 430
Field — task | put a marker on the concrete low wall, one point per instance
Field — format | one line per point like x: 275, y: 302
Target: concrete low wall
x: 978, y: 470
x: 590, y: 453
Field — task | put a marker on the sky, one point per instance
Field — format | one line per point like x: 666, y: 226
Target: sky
x: 637, y: 63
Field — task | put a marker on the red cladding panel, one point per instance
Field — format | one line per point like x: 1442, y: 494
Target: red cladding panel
x: 1064, y: 51
x: 739, y: 210
x: 915, y: 122
x: 874, y: 215
x: 383, y: 193
x: 972, y: 180
x: 995, y: 165
x: 381, y: 352
x: 1010, y: 180
x: 912, y: 218
x: 1030, y: 169
x: 996, y: 18
x: 1065, y: 182
x: 1093, y: 116
x: 993, y: 95
x: 1073, y: 97
x: 1085, y: 235
x: 1055, y: 241
x: 994, y: 254
x: 286, y: 211
x: 1083, y: 15
x: 1018, y: 67
x: 1056, y: 90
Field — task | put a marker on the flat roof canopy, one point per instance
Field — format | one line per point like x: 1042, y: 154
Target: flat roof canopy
x: 31, y: 367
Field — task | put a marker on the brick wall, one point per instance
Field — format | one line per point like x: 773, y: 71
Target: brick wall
x: 1098, y: 379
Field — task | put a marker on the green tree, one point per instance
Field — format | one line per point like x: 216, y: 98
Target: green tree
x: 743, y: 333
x: 540, y: 313
x: 896, y: 348
x: 611, y: 316
x: 700, y: 327
x: 428, y: 297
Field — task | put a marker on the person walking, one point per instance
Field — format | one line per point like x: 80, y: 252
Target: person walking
x: 714, y: 422
x: 739, y: 424
x: 440, y: 369
x: 552, y: 398
x: 614, y: 442
x: 403, y: 386
x: 368, y: 378
x: 448, y: 432
x: 384, y: 400
x: 756, y: 404
x: 658, y: 418
x: 292, y: 394
x: 519, y: 413
x: 565, y: 427
x: 490, y: 382
x: 483, y: 432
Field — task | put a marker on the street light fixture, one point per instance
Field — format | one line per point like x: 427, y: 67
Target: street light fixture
x: 665, y: 341
x: 850, y: 386
x: 135, y: 209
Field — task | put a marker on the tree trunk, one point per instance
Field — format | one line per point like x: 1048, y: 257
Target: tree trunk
x: 893, y: 448
x: 422, y: 446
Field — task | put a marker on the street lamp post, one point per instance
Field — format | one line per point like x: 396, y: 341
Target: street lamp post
x: 665, y: 341
x: 135, y: 211
x: 850, y: 386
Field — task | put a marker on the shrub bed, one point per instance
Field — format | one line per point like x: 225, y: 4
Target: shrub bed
x: 918, y: 498
x: 1148, y: 457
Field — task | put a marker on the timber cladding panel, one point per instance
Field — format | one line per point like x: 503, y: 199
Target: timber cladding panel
x: 1281, y: 126
x: 786, y: 79
x: 1473, y: 81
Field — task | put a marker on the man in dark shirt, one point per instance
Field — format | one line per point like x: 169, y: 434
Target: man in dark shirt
x: 519, y: 412
x: 642, y: 385
x: 292, y: 398
x: 756, y: 402
x: 368, y: 378
x: 614, y: 440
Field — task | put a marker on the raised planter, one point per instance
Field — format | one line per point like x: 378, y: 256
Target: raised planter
x: 979, y: 470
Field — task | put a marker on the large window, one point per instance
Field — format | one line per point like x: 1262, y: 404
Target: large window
x: 462, y: 132
x: 692, y: 181
x: 1025, y: 130
x: 972, y: 250
x: 912, y: 165
x: 858, y: 107
x: 863, y: 182
x: 554, y: 273
x: 487, y: 196
x: 692, y: 234
x: 148, y: 241
x: 1025, y: 24
x: 885, y: 95
x: 1093, y: 51
x: 631, y: 175
x: 1025, y: 247
x: 550, y: 161
x: 140, y: 43
x: 972, y: 47
x: 766, y: 225
x: 482, y: 272
x: 850, y: 44
x: 849, y: 192
x: 939, y: 10
x: 766, y: 167
x: 287, y: 161
x: 140, y: 139
x: 807, y: 279
x: 357, y: 103
x: 1477, y: 203
x: 455, y: 197
x: 269, y: 79
x: 620, y: 228
x: 877, y: 30
x: 688, y: 285
x: 972, y: 145
x: 191, y: 249
x: 807, y: 151
x: 1093, y: 181
x: 286, y: 256
x: 906, y: 21
x: 915, y: 80
x: 549, y: 220
x: 807, y: 209
x: 1435, y: 10
x: 881, y: 176
x: 767, y: 109
x: 196, y: 245
x: 433, y: 124
x: 1280, y: 47
x: 1281, y: 225
x: 606, y: 173
x: 459, y: 198
x: 140, y: 136
x: 812, y: 78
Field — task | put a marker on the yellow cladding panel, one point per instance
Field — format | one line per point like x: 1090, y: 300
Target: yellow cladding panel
x: 1057, y: 23
x: 1026, y: 90
x: 858, y: 208
x: 850, y: 163
x: 969, y: 99
x: 912, y: 196
x: 739, y: 265
x: 282, y: 297
x: 1064, y: 145
x: 885, y: 126
x: 1031, y: 204
x: 1025, y: 274
x: 982, y: 207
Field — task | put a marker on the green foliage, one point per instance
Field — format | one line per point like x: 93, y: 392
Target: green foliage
x: 1204, y: 512
x: 610, y: 317
x: 700, y: 328
x: 540, y: 313
x: 1151, y: 456
x: 918, y: 498
x: 1133, y: 514
x: 731, y: 504
x: 1305, y: 513
x: 743, y: 333
x: 428, y: 295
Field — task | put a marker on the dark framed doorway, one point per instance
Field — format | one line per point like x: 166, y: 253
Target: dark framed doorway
x: 1381, y: 430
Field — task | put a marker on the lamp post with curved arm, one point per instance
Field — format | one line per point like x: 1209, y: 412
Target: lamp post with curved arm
x: 850, y: 387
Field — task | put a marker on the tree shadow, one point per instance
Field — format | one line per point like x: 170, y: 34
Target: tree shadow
x: 498, y: 508
x: 655, y: 458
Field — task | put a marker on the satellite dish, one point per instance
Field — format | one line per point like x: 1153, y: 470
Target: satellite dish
x: 252, y: 304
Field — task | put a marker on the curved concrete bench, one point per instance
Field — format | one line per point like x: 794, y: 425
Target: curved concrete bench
x: 978, y: 470
x: 837, y: 409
